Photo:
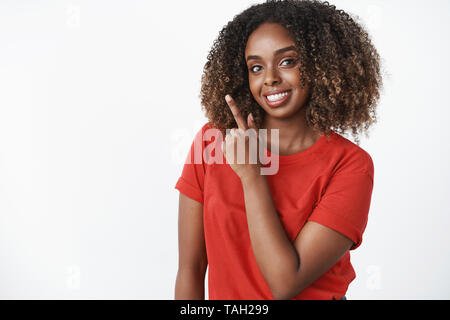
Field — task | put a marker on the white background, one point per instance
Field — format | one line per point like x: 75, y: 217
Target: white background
x: 98, y: 107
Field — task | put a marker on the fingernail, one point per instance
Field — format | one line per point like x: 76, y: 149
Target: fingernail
x: 227, y: 98
x: 251, y: 117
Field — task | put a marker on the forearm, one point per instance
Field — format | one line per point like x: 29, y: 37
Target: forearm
x: 275, y: 254
x: 190, y: 285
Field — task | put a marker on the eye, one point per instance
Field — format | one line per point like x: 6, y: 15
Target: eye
x: 251, y: 69
x: 291, y: 61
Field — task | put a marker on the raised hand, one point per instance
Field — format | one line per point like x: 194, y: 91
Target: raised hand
x: 240, y: 147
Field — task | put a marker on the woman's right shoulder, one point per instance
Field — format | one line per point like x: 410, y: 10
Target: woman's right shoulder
x: 207, y: 131
x: 210, y: 138
x: 206, y: 126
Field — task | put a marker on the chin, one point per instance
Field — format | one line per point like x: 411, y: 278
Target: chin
x: 283, y: 112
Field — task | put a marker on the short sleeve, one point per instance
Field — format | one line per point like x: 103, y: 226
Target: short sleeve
x: 192, y: 178
x: 344, y: 207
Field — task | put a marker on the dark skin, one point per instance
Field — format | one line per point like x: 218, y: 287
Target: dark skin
x: 268, y: 71
x: 288, y: 268
x: 192, y: 260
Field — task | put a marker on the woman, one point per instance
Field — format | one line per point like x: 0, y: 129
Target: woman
x: 309, y: 72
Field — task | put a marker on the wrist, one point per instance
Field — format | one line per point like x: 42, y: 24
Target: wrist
x: 251, y: 177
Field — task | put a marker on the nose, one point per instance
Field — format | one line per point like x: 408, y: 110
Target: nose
x: 271, y: 77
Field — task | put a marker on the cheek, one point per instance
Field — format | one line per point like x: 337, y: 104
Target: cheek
x: 254, y: 88
x: 293, y: 78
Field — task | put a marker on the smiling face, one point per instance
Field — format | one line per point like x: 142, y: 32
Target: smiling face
x: 272, y: 63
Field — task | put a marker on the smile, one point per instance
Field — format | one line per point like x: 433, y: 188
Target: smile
x: 278, y: 99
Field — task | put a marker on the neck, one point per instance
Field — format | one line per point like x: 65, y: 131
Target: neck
x: 294, y: 133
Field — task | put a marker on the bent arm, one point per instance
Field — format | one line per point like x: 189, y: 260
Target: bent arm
x: 192, y: 259
x: 287, y: 267
x: 275, y: 255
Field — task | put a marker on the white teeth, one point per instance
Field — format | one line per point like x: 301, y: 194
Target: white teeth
x: 278, y: 96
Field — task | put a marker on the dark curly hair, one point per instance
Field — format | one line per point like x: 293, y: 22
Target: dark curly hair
x: 339, y: 62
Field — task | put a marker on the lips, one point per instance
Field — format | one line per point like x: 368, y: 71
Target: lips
x: 275, y: 92
x: 279, y: 102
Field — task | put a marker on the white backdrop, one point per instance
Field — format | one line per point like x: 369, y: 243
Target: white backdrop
x: 98, y: 107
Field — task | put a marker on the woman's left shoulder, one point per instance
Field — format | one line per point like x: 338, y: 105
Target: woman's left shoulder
x: 353, y: 158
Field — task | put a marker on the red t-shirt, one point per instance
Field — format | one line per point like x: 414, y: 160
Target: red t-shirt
x: 330, y: 183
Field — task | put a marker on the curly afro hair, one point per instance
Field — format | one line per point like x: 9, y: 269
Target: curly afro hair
x: 339, y: 62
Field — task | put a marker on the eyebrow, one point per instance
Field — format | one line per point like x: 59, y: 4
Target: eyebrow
x: 279, y: 51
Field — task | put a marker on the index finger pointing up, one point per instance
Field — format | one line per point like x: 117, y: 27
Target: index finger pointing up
x: 242, y: 124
